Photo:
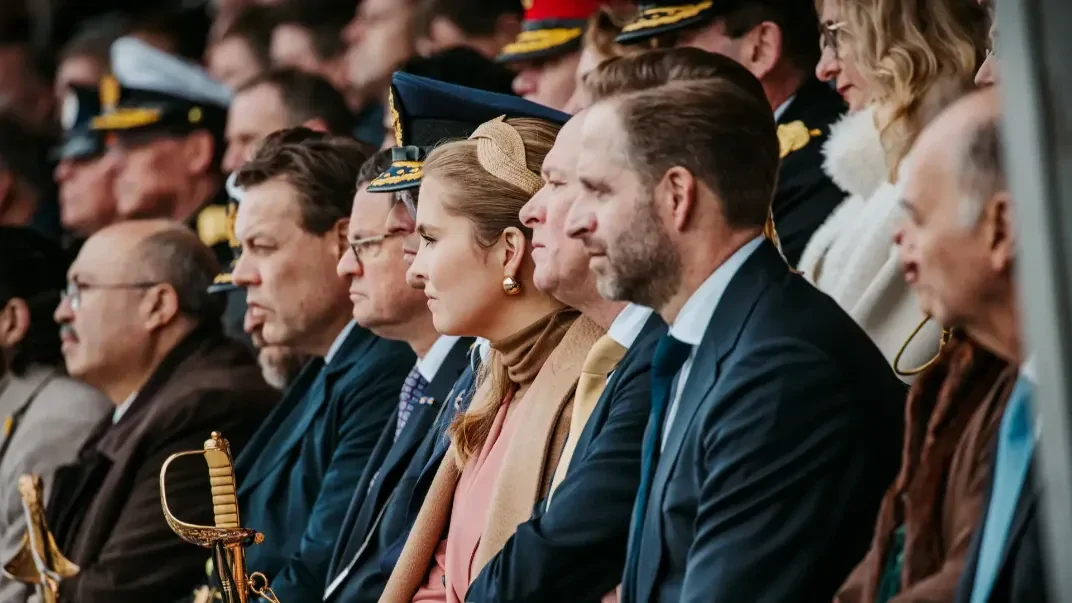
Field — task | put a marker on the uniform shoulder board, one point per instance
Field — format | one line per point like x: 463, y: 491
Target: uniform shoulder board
x: 794, y: 136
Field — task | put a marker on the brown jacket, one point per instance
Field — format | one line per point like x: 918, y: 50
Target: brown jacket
x: 105, y: 508
x: 526, y: 476
x: 952, y: 415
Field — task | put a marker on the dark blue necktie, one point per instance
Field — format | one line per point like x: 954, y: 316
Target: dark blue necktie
x: 670, y: 356
x: 1016, y: 442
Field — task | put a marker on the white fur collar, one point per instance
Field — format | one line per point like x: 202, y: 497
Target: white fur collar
x: 855, y: 159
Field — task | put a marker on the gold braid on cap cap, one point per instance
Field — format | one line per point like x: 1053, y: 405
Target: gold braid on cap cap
x: 501, y: 152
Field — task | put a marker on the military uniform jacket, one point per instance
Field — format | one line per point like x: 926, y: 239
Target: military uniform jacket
x: 105, y: 508
x: 805, y: 195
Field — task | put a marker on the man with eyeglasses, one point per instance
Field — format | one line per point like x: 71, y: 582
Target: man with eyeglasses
x: 297, y: 476
x: 778, y: 41
x: 384, y: 241
x: 137, y: 323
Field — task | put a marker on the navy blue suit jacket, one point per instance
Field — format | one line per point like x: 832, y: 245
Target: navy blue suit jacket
x: 787, y: 434
x: 574, y: 549
x: 297, y: 475
x: 1020, y: 577
x: 389, y: 461
x: 375, y: 562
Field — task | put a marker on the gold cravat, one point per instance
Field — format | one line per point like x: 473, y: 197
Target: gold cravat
x: 601, y: 360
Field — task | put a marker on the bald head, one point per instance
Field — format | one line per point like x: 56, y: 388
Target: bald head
x: 957, y: 244
x: 158, y: 251
x: 965, y: 142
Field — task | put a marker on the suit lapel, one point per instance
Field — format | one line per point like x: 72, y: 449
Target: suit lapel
x: 398, y: 453
x: 292, y: 396
x: 285, y: 434
x: 426, y: 412
x: 757, y: 273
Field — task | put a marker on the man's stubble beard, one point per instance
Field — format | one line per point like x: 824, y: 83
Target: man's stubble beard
x: 645, y: 268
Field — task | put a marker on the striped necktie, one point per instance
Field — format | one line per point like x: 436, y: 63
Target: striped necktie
x: 412, y: 390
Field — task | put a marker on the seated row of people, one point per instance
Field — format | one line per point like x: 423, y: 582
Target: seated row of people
x: 748, y: 423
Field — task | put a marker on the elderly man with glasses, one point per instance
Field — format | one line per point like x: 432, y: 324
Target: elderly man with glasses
x: 137, y: 323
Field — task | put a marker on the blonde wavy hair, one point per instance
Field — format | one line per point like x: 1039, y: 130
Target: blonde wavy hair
x: 491, y: 204
x: 904, y: 49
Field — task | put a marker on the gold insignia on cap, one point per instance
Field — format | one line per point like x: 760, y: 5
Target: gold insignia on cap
x: 396, y: 121
x: 526, y: 4
x: 212, y: 225
x: 109, y: 92
x: 537, y: 40
x: 195, y: 115
x: 666, y: 15
x: 794, y: 136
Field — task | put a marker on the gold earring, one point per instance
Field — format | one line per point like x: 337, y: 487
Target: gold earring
x: 510, y: 286
x: 946, y: 334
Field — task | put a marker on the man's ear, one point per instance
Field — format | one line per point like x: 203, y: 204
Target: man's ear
x: 316, y: 124
x: 762, y: 49
x: 514, y: 248
x: 340, y: 234
x: 161, y: 306
x: 676, y: 193
x: 14, y: 322
x: 1000, y: 230
x: 200, y: 151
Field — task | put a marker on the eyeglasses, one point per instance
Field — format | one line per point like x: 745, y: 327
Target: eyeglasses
x: 369, y: 245
x: 830, y: 34
x: 73, y: 291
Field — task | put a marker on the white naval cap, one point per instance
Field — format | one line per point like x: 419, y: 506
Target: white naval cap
x: 140, y: 66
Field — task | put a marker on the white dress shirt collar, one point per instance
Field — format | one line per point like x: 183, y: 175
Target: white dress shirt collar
x: 692, y: 321
x: 429, y: 365
x: 335, y: 345
x: 1027, y: 370
x: 123, y: 408
x: 781, y: 108
x: 627, y: 325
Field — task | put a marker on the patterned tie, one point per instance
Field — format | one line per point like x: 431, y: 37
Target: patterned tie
x: 670, y: 356
x: 601, y: 360
x: 412, y: 390
x: 1016, y: 442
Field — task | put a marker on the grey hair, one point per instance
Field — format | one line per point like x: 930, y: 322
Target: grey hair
x: 177, y: 257
x: 981, y: 173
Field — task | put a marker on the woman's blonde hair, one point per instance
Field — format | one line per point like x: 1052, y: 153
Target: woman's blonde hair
x: 492, y: 203
x: 903, y: 48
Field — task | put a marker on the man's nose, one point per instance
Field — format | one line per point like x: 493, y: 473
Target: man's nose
x: 64, y: 313
x: 579, y: 222
x: 532, y: 213
x: 348, y: 265
x: 244, y: 274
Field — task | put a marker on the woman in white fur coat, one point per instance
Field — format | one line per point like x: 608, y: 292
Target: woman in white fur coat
x: 893, y: 79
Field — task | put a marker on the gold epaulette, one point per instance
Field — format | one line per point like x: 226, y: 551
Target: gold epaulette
x: 794, y: 136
